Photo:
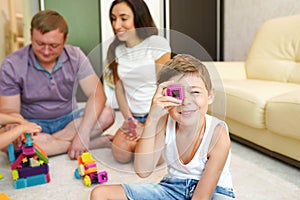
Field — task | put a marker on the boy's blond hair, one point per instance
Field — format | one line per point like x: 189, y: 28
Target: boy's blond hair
x: 184, y: 64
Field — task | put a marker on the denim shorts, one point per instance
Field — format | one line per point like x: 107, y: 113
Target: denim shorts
x: 171, y: 188
x: 141, y: 119
x: 51, y: 126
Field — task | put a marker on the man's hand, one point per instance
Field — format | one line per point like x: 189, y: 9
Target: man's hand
x: 79, y: 145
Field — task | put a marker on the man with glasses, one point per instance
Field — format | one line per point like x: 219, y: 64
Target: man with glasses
x: 39, y: 82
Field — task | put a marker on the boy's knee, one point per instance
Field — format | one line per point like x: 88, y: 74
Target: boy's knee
x: 97, y: 193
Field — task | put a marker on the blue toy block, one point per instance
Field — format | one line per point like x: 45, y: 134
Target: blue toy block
x: 29, y: 141
x: 11, y: 153
x: 30, y: 181
x: 20, y: 183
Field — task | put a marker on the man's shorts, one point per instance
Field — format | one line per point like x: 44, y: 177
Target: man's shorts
x: 51, y: 126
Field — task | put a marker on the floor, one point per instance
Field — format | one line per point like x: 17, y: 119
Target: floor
x: 255, y: 176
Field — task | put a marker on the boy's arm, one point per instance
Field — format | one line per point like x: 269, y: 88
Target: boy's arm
x: 151, y: 143
x: 149, y: 146
x: 216, y: 161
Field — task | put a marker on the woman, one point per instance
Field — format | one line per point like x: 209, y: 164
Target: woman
x: 136, y: 56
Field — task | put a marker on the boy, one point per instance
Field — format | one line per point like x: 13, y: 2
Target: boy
x: 195, y: 145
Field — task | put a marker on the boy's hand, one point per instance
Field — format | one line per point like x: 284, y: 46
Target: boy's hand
x: 161, y: 102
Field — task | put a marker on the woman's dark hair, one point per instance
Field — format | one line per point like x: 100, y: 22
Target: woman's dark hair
x: 143, y: 23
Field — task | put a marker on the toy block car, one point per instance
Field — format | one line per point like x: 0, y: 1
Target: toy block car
x: 87, y: 169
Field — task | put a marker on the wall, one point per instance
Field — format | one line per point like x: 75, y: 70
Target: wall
x: 243, y: 18
x: 4, y: 18
x: 25, y: 7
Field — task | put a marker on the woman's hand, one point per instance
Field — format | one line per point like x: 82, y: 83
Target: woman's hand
x: 132, y: 128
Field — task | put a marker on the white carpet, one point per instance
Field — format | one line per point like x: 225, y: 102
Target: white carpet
x: 255, y: 176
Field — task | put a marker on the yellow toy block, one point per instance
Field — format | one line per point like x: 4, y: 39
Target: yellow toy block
x: 87, y: 157
x: 15, y: 174
x: 4, y: 196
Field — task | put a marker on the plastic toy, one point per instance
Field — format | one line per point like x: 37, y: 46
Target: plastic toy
x: 88, y: 170
x: 175, y: 91
x: 132, y: 127
x: 3, y: 196
x: 29, y: 164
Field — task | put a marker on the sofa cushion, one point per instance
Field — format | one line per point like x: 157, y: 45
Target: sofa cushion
x: 282, y: 114
x: 246, y: 99
x: 275, y: 51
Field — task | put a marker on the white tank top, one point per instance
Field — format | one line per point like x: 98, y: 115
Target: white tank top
x: 195, y: 168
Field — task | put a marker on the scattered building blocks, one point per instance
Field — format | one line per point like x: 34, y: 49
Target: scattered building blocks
x: 29, y: 164
x: 87, y: 169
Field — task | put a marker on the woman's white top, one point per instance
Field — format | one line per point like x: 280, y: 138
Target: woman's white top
x: 195, y: 168
x: 137, y: 70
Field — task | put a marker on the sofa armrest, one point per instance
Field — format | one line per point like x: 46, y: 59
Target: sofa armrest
x: 230, y: 70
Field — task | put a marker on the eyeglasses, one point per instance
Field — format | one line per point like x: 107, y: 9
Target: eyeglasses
x: 53, y: 46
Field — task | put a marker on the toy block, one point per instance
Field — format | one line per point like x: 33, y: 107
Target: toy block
x: 31, y: 166
x: 87, y: 157
x: 91, y: 170
x: 87, y: 169
x: 11, y: 153
x: 48, y: 178
x: 30, y: 181
x: 41, y: 156
x: 14, y: 174
x: 32, y: 171
x: 34, y: 162
x: 20, y: 183
x: 102, y: 177
x: 37, y: 147
x: 3, y: 196
x: 28, y: 140
x: 90, y: 166
x: 18, y: 161
x: 28, y: 151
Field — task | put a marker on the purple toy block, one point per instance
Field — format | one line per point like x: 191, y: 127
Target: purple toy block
x: 102, y: 177
x: 32, y: 171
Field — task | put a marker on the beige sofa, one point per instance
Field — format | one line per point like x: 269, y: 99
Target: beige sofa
x: 263, y: 93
